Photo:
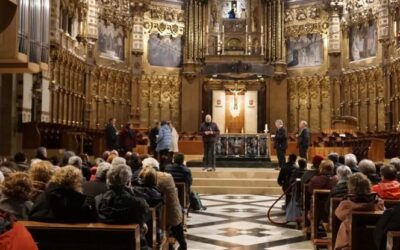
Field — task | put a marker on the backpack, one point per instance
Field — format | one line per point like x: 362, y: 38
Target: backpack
x: 195, y: 202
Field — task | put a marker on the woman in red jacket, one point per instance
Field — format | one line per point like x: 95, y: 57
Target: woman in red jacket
x: 14, y: 235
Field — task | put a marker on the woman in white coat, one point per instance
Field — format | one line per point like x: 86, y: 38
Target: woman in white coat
x: 175, y: 138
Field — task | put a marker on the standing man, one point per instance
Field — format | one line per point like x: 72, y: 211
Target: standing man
x: 111, y: 135
x: 281, y: 143
x: 303, y: 139
x: 210, y: 131
x: 153, y: 138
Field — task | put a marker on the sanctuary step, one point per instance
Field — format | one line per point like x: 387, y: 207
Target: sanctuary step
x: 254, y: 181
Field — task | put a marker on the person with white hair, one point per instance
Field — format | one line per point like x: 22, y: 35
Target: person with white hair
x: 166, y: 184
x: 303, y: 139
x: 368, y: 168
x: 118, y: 161
x: 210, y: 132
x: 77, y: 162
x: 340, y: 189
x: 119, y: 205
x: 350, y: 160
x: 99, y: 185
x: 396, y: 163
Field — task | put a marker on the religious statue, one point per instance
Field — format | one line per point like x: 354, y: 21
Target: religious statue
x: 236, y: 91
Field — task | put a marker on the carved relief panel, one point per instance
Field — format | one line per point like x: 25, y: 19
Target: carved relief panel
x: 309, y: 100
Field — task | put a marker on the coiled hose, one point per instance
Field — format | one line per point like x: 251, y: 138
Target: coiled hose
x: 273, y: 204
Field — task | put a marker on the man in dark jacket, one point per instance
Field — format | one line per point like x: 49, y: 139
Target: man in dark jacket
x: 303, y: 139
x: 281, y: 142
x: 210, y: 131
x: 153, y: 138
x: 127, y: 139
x: 111, y: 135
x: 180, y: 172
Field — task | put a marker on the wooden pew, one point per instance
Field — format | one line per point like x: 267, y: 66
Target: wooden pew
x: 157, y: 222
x: 306, y: 209
x: 391, y: 203
x: 362, y: 230
x: 319, y: 200
x: 334, y: 221
x: 393, y: 240
x: 84, y: 236
x: 183, y: 199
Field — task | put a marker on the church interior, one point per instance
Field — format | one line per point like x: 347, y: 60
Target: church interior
x: 70, y: 70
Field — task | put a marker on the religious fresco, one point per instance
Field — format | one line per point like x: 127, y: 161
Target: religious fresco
x: 165, y: 51
x: 305, y: 50
x: 111, y: 42
x: 362, y: 41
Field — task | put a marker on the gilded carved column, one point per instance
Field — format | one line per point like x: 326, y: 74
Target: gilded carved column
x: 274, y: 36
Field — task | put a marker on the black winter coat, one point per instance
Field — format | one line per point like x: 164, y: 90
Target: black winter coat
x: 120, y: 206
x: 60, y: 204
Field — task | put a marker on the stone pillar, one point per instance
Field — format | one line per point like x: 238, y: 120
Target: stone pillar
x: 191, y: 103
x: 27, y: 80
x: 138, y: 8
x: 8, y: 114
x: 45, y: 106
x: 334, y: 52
x: 384, y: 37
x: 192, y: 82
x: 277, y: 102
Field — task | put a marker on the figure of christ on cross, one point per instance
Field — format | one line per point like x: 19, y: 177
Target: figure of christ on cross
x: 236, y: 91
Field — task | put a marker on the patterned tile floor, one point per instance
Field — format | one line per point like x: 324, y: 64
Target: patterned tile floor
x: 239, y: 222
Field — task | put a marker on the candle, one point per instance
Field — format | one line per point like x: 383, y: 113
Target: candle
x: 266, y: 127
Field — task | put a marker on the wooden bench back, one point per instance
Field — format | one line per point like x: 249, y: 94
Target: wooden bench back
x: 182, y: 193
x: 84, y: 236
x: 362, y: 230
x: 393, y: 240
x: 158, y: 221
x: 334, y: 221
x: 391, y: 203
x: 306, y: 207
x: 319, y: 207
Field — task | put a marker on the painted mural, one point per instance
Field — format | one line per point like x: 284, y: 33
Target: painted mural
x: 111, y: 42
x: 165, y: 51
x: 363, y: 41
x: 305, y: 51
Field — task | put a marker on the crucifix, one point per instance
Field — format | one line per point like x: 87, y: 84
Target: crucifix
x: 235, y: 91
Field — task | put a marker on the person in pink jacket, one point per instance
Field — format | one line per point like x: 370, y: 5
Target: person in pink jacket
x: 359, y: 198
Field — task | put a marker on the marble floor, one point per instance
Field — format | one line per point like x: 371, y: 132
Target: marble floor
x: 239, y: 222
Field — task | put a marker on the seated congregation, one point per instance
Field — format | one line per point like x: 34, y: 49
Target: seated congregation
x: 344, y: 204
x: 114, y: 190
